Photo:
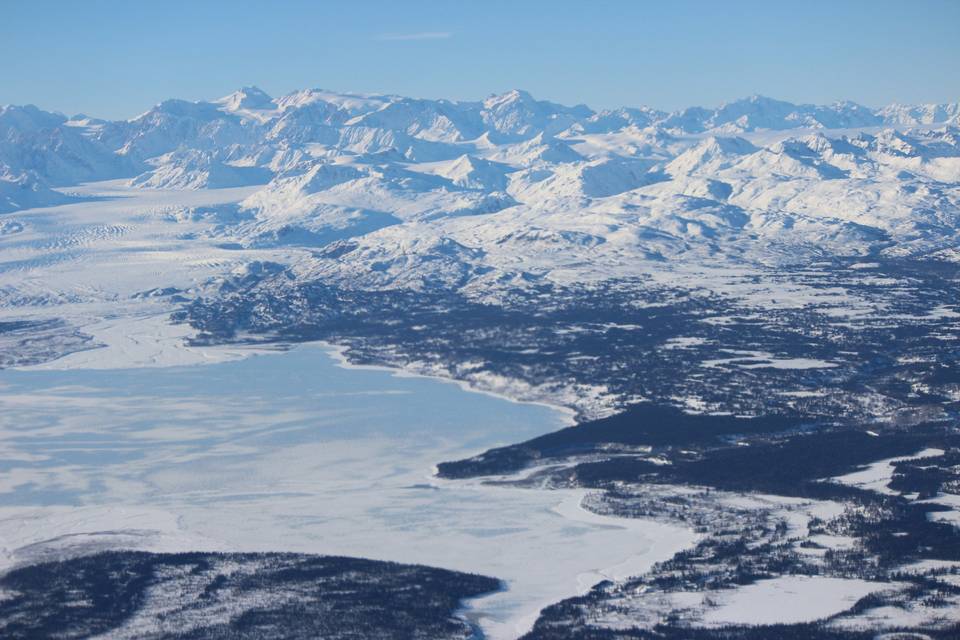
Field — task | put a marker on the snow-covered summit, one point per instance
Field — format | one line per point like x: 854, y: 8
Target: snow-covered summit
x: 762, y: 113
x: 518, y: 113
x: 247, y: 98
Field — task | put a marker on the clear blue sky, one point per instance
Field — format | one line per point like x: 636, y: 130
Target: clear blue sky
x: 116, y: 59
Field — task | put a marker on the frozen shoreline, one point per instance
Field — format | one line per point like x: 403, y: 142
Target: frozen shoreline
x: 664, y: 540
x: 150, y: 340
x: 355, y: 494
x: 338, y: 352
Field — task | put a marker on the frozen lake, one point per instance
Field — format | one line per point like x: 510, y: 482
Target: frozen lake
x: 290, y: 451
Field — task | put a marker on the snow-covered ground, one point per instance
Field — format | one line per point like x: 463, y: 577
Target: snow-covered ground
x: 87, y: 260
x: 877, y: 475
x: 786, y: 600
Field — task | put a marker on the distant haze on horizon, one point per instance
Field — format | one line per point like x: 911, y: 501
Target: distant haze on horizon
x: 115, y: 60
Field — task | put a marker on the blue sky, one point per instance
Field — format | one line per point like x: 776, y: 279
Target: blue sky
x: 116, y: 59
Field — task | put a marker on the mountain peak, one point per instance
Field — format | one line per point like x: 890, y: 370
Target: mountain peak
x: 29, y: 117
x: 246, y: 98
x: 509, y: 97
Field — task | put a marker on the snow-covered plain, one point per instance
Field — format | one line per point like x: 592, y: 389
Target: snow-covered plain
x: 788, y: 599
x: 878, y: 475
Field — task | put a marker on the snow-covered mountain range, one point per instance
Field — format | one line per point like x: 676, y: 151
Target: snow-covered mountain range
x: 512, y: 188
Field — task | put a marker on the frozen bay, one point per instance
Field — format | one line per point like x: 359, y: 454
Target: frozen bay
x: 290, y: 451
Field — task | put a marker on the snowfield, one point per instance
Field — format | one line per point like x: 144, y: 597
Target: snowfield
x: 787, y: 600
